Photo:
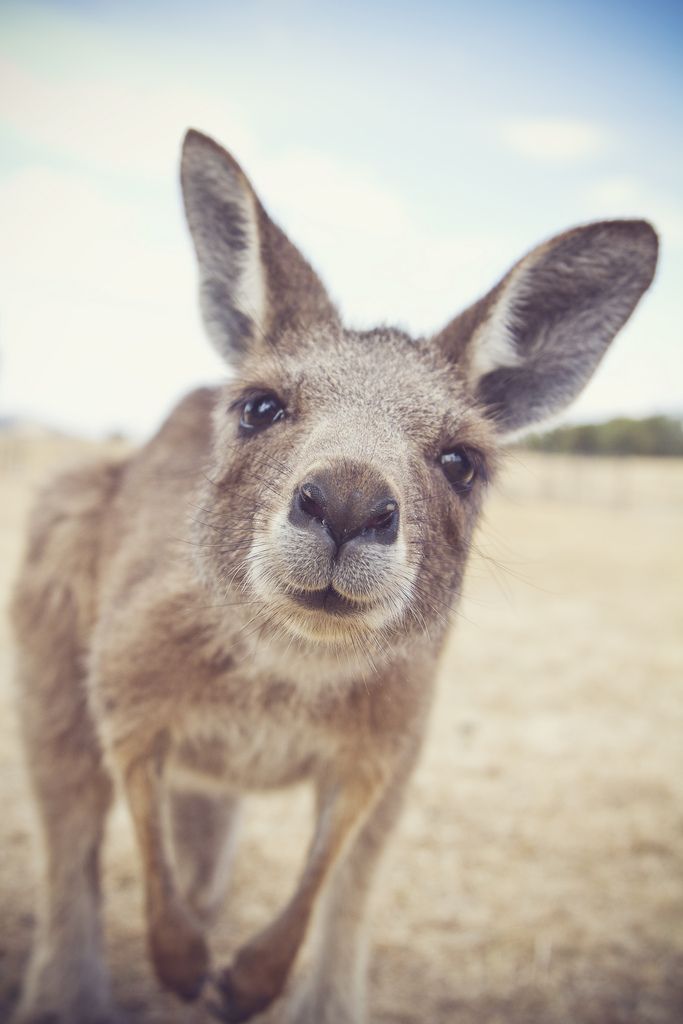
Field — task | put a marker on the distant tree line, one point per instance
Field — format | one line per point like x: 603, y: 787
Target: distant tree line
x: 654, y: 435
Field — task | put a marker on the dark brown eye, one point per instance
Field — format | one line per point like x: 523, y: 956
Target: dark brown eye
x: 260, y: 412
x: 459, y: 468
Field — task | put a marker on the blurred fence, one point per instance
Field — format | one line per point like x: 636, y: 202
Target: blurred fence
x: 616, y: 482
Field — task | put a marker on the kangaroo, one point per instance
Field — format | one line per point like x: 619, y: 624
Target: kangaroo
x: 260, y: 595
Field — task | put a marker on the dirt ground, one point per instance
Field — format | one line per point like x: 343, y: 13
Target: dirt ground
x: 537, y: 875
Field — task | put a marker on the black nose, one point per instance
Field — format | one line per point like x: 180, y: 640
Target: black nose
x: 357, y: 505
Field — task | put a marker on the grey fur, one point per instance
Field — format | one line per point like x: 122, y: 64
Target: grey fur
x: 165, y: 639
x: 565, y: 300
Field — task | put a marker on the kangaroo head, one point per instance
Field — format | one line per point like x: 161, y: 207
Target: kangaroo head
x: 349, y: 466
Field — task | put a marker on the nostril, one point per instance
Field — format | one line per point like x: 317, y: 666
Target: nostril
x: 385, y: 518
x: 312, y: 501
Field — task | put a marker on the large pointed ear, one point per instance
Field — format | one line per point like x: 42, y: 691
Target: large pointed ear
x: 253, y: 282
x: 529, y: 347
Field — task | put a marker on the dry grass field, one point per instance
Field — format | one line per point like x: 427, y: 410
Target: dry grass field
x: 537, y: 876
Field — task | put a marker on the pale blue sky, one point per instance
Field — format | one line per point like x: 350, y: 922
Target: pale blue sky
x: 414, y: 151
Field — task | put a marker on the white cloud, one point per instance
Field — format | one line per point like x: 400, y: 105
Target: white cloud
x: 99, y: 327
x: 130, y: 125
x: 61, y: 232
x: 617, y: 191
x: 333, y: 194
x: 371, y: 248
x: 553, y: 139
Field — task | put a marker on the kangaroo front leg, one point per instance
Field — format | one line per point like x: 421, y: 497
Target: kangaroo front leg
x: 179, y: 953
x: 204, y: 829
x: 261, y: 967
x: 333, y: 989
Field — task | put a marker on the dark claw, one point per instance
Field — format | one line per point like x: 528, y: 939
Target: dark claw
x: 231, y: 1005
x: 183, y: 967
x: 192, y: 990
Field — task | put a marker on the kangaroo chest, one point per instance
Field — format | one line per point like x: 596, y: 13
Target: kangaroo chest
x: 263, y: 738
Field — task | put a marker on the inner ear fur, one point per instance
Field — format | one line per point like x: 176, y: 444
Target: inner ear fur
x: 531, y: 344
x: 254, y: 283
